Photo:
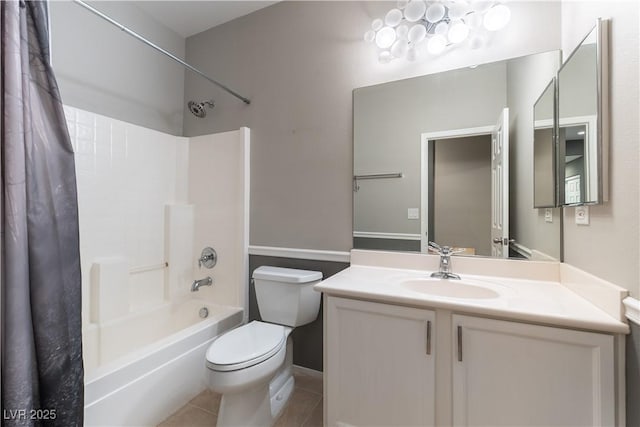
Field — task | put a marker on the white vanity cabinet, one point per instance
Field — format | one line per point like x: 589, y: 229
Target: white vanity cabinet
x: 380, y: 363
x: 509, y: 373
x: 382, y: 360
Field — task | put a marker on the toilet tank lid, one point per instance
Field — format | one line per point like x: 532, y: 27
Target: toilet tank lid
x: 289, y: 275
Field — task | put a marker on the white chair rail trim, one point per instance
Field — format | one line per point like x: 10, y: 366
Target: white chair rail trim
x: 313, y: 254
x: 632, y: 309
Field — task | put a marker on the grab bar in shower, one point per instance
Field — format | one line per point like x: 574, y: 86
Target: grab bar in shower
x: 151, y: 267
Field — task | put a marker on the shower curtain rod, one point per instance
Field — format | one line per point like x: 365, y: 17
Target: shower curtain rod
x: 159, y: 49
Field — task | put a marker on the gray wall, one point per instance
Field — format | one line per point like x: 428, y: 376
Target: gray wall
x: 299, y: 62
x: 462, y: 193
x: 544, y: 172
x: 388, y: 121
x: 383, y: 244
x: 307, y: 339
x: 633, y: 375
x: 527, y: 79
x: 577, y: 84
x: 101, y: 69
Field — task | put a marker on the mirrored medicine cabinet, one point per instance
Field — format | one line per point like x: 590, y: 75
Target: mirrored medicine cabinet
x: 583, y: 121
x: 571, y: 128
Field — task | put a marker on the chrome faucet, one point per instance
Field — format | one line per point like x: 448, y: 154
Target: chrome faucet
x: 445, y: 253
x: 197, y: 284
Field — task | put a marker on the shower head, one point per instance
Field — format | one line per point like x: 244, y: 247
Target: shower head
x: 198, y: 108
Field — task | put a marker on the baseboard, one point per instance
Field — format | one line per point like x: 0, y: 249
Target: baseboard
x: 632, y: 309
x: 313, y: 254
x: 306, y: 371
x: 521, y: 249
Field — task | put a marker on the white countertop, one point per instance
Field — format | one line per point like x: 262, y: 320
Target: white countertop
x: 543, y: 302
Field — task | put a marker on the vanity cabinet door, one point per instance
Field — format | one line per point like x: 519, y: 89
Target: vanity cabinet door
x: 507, y: 374
x: 379, y: 364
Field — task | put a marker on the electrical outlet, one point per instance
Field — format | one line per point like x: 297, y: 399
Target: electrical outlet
x: 413, y: 213
x: 582, y: 215
x: 548, y: 215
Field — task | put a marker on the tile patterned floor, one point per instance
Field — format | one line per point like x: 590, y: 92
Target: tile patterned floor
x: 304, y: 408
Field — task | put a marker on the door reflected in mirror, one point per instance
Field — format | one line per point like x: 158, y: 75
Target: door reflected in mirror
x: 574, y: 162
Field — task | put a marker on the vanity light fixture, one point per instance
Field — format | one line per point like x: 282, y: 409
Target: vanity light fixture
x: 439, y: 24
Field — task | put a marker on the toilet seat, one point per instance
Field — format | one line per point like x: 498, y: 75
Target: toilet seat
x: 245, y: 346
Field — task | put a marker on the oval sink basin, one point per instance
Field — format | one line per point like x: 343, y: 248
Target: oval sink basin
x: 450, y: 288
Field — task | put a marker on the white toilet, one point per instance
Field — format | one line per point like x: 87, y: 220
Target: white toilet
x: 251, y: 365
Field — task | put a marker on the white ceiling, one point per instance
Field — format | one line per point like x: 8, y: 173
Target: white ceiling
x: 191, y: 17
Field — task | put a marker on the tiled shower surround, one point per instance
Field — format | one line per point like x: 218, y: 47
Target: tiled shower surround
x: 142, y: 195
x: 126, y: 175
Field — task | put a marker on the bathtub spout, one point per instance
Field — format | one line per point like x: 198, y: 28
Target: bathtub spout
x: 207, y: 281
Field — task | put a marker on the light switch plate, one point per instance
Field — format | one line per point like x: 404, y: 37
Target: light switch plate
x: 582, y: 215
x: 413, y: 213
x: 548, y: 215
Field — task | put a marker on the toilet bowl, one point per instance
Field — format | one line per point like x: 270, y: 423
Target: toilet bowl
x: 251, y: 366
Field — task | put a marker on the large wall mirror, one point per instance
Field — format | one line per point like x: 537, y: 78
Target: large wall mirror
x: 583, y: 121
x: 447, y: 157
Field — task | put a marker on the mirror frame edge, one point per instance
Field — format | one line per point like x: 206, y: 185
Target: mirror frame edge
x: 603, y: 119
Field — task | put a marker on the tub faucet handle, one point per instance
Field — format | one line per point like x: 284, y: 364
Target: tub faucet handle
x: 208, y: 258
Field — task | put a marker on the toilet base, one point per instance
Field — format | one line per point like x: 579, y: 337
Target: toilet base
x: 259, y: 406
x: 255, y: 407
x: 281, y: 397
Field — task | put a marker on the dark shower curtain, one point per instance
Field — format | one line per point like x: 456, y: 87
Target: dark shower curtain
x: 42, y: 372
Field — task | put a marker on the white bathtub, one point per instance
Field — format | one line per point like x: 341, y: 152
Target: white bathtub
x: 144, y: 386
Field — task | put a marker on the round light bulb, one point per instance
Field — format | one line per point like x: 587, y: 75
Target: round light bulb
x: 369, y: 36
x: 437, y: 44
x: 442, y: 28
x: 458, y: 32
x: 402, y: 32
x: 412, y: 54
x: 435, y: 12
x: 385, y: 37
x: 415, y: 10
x: 377, y: 24
x: 385, y: 57
x: 402, y: 4
x: 393, y: 17
x: 399, y: 48
x: 417, y: 33
x: 497, y: 18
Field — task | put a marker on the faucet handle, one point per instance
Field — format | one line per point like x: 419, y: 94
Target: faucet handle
x: 436, y: 247
x: 444, y: 250
x: 208, y: 258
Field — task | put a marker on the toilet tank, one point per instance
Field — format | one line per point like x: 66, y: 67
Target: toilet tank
x: 286, y: 296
